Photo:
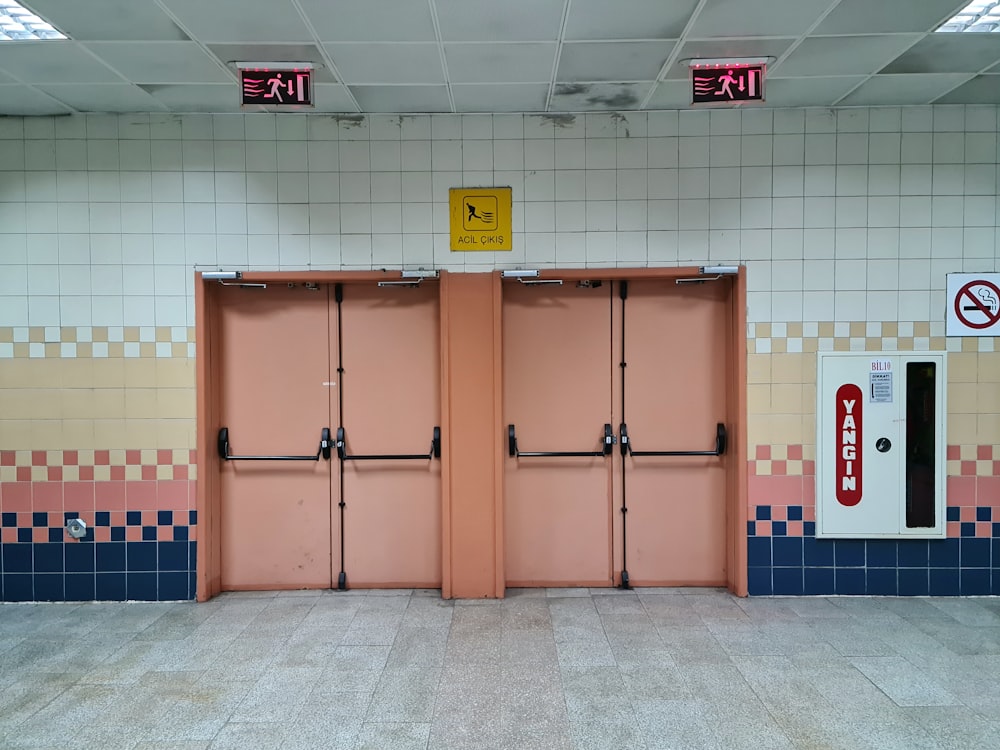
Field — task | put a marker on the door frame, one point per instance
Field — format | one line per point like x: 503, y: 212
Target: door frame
x: 736, y: 386
x: 208, y: 382
x: 468, y: 570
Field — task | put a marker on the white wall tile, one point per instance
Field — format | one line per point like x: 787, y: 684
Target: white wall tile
x: 693, y: 214
x: 693, y: 151
x: 262, y: 218
x: 601, y: 216
x: 662, y: 153
x: 693, y: 183
x: 724, y: 182
x: 602, y: 184
x: 446, y: 155
x: 631, y: 153
x: 755, y: 213
x: 323, y: 156
x: 794, y: 189
x: 571, y: 153
x: 979, y: 243
x: 540, y: 154
x: 356, y: 218
x: 40, y: 155
x: 14, y: 280
x: 262, y: 156
x: 883, y: 242
x: 663, y: 183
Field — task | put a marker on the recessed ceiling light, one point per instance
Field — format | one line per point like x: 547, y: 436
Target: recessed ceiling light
x: 19, y: 23
x: 979, y: 16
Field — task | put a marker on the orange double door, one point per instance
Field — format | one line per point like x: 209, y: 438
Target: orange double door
x: 330, y: 401
x: 584, y: 365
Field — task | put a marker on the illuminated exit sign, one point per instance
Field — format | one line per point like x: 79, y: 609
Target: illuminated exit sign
x: 277, y: 88
x: 718, y: 84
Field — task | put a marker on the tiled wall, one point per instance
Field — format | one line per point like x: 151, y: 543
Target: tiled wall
x: 847, y: 221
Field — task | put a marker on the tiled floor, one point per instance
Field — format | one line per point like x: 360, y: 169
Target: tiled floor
x: 544, y: 669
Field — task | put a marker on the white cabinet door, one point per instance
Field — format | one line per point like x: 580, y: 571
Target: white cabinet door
x: 880, y: 445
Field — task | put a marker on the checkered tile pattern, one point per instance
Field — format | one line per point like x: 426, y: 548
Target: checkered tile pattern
x: 53, y: 342
x: 96, y: 465
x: 858, y: 336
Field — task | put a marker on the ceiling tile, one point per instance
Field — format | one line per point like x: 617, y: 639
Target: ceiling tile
x: 808, y: 92
x: 671, y: 95
x: 582, y: 97
x: 740, y: 18
x: 108, y: 19
x: 643, y: 19
x: 53, y: 62
x: 843, y: 55
x: 228, y: 53
x: 612, y: 61
x: 402, y: 98
x: 161, y: 62
x: 103, y: 97
x: 948, y: 53
x: 503, y: 97
x: 196, y: 97
x: 491, y: 21
x: 240, y: 20
x: 887, y: 16
x: 732, y: 48
x: 333, y: 97
x: 529, y: 62
x: 904, y: 89
x: 370, y: 20
x: 24, y: 100
x: 980, y: 90
x: 399, y: 62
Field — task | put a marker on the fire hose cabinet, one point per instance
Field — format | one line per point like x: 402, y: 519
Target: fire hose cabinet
x: 880, y: 445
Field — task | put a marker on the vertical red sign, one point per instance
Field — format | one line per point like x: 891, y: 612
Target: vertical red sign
x: 848, y: 441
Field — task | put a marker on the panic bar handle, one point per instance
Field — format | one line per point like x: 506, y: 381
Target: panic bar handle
x: 720, y: 445
x: 607, y: 441
x: 435, y: 451
x: 325, y: 444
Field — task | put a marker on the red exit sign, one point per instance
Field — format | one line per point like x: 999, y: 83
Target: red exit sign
x: 277, y: 88
x: 727, y: 83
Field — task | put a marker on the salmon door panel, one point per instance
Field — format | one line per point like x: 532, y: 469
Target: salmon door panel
x: 276, y: 520
x: 675, y: 344
x: 557, y: 396
x: 391, y: 406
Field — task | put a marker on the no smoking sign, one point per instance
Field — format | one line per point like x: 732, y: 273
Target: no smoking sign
x: 973, y: 304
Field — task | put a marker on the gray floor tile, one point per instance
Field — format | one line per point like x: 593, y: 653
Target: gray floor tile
x: 600, y: 734
x: 393, y: 736
x: 405, y: 695
x: 955, y: 727
x: 674, y: 724
x: 905, y: 683
x: 278, y: 695
x: 467, y: 711
x: 249, y: 736
x: 418, y: 647
x: 545, y: 668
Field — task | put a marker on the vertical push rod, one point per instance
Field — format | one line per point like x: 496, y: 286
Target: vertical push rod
x: 623, y: 294
x: 338, y: 295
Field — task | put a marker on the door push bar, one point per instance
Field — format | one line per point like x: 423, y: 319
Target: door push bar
x: 325, y: 445
x: 435, y: 451
x: 720, y: 445
x: 607, y: 441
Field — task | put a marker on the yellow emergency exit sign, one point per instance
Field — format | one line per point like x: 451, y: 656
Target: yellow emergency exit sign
x: 480, y: 218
